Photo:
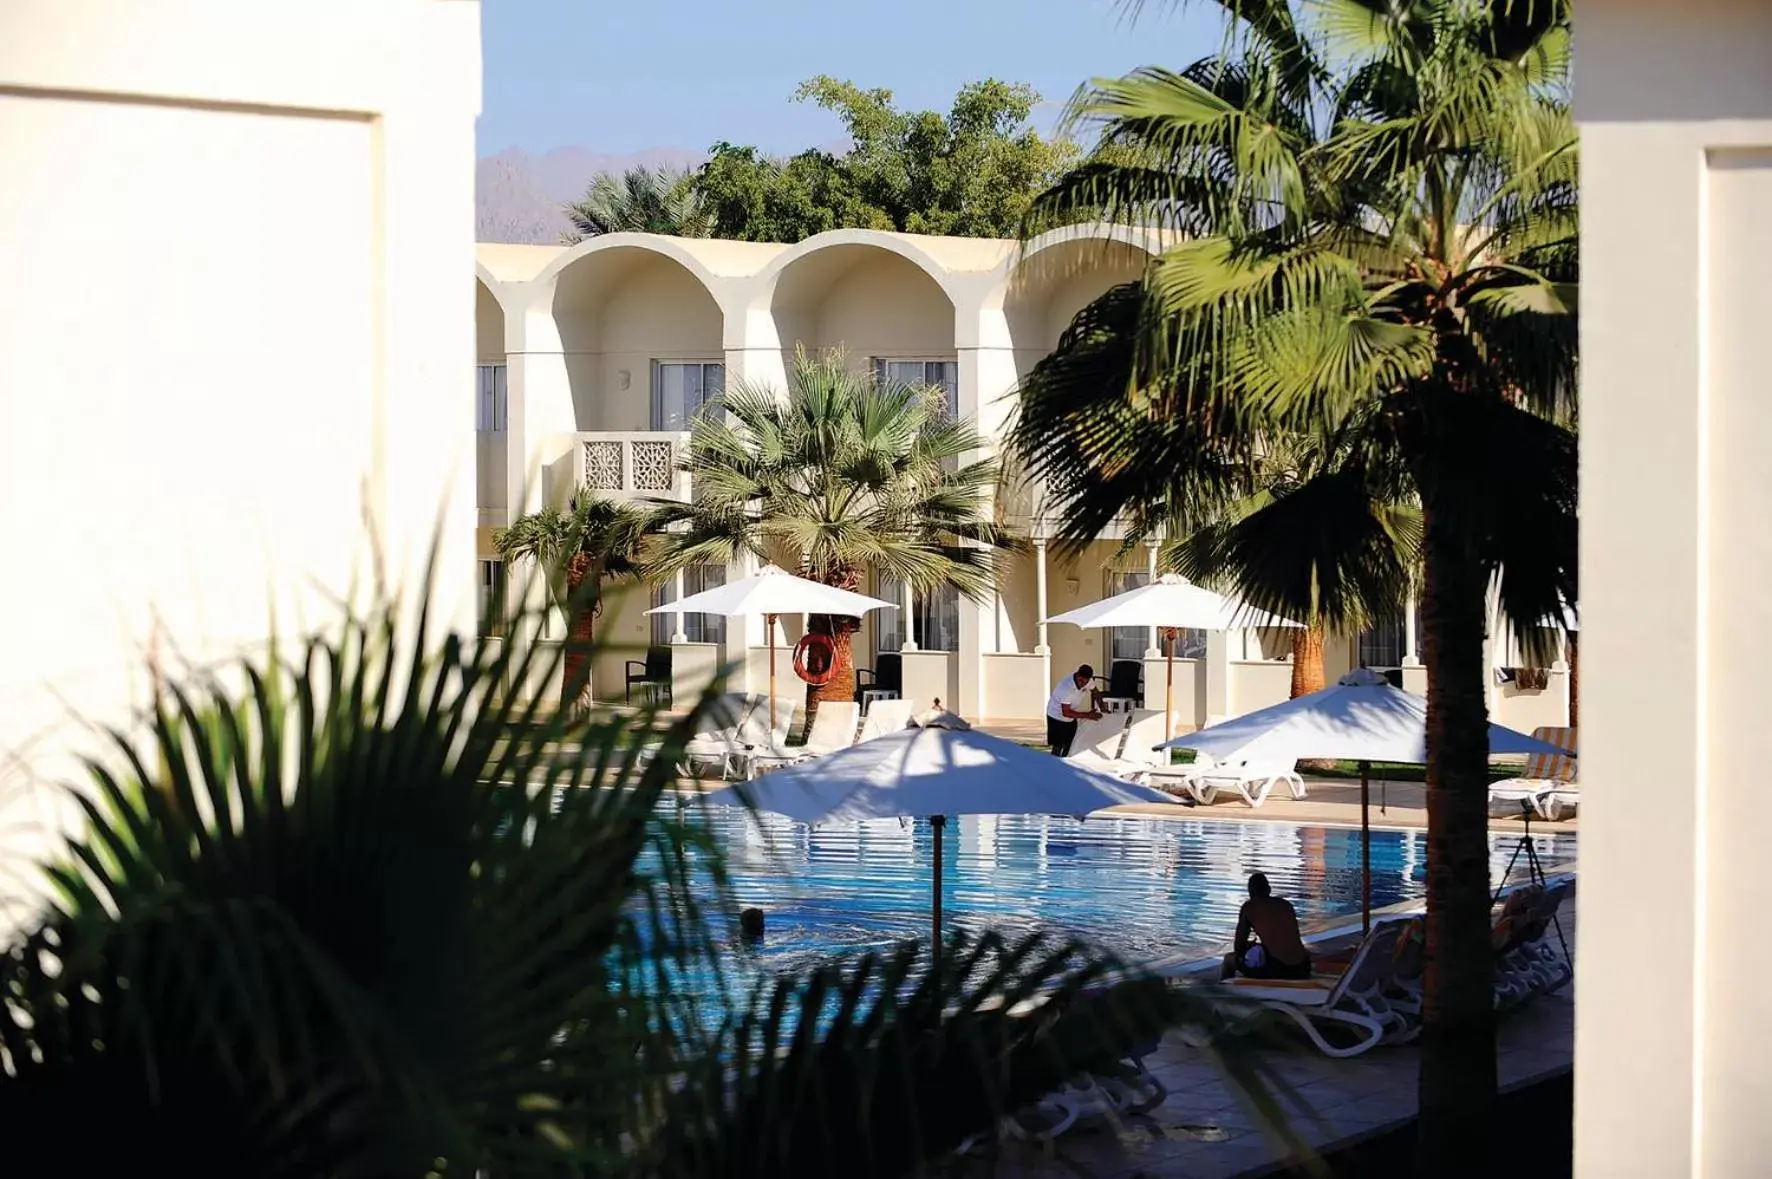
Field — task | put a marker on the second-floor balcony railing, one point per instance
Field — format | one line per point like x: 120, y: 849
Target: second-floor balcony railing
x: 639, y: 464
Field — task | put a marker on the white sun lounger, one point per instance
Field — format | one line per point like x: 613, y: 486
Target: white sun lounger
x: 1097, y: 743
x: 833, y: 728
x: 886, y: 716
x: 1355, y: 999
x: 1138, y: 754
x: 1548, y: 785
x: 1253, y: 780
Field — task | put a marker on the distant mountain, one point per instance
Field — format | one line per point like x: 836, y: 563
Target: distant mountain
x: 517, y: 195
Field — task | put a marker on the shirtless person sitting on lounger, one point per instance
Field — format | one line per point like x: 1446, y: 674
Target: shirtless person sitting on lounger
x: 1279, y: 952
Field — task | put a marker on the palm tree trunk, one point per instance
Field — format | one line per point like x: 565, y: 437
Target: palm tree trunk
x: 1458, y: 1072
x: 841, y: 685
x: 581, y: 621
x: 1307, y: 660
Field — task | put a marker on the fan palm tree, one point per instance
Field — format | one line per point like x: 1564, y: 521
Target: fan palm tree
x: 1374, y: 209
x: 1336, y: 535
x: 843, y: 475
x: 641, y: 200
x: 594, y: 539
x: 302, y: 935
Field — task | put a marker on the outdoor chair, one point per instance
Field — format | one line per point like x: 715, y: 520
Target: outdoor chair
x: 1548, y: 785
x: 1352, y: 1000
x: 1126, y: 681
x: 885, y: 677
x: 654, y: 673
x: 833, y: 728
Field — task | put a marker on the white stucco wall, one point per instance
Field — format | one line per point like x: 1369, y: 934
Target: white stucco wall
x: 1673, y: 1014
x: 207, y: 394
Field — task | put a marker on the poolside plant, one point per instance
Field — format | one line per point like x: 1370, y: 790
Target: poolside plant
x: 595, y: 539
x: 1371, y: 215
x: 347, y: 907
x: 840, y: 476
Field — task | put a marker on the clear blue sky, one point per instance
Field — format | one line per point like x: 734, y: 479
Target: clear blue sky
x: 619, y: 76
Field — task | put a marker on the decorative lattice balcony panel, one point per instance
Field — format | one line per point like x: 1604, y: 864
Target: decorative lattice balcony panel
x: 603, y: 463
x: 653, y: 466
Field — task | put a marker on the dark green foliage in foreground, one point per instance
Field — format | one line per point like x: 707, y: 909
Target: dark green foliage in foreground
x: 304, y: 935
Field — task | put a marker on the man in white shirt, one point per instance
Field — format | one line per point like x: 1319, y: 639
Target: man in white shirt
x: 1072, y: 700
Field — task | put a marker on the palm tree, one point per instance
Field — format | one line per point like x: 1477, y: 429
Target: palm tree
x: 1377, y: 211
x: 641, y: 200
x: 1337, y: 536
x: 314, y: 940
x: 841, y: 476
x: 593, y: 540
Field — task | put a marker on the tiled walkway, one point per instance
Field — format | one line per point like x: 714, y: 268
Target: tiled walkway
x: 1204, y: 1130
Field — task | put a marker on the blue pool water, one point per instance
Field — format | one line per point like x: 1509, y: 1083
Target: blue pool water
x: 1144, y: 889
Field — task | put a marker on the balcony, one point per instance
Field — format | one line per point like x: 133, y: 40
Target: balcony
x: 632, y: 465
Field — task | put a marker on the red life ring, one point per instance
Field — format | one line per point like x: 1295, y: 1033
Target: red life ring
x: 815, y: 656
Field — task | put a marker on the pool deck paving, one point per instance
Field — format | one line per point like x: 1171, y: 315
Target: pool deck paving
x: 1205, y: 1129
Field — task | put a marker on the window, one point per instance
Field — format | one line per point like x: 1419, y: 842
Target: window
x: 1381, y: 645
x: 680, y: 389
x: 1129, y: 642
x: 697, y: 628
x: 942, y: 374
x: 492, y: 598
x: 937, y: 618
x: 490, y: 404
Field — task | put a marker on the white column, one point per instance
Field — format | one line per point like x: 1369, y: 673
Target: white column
x: 1676, y: 135
x: 679, y: 635
x: 906, y: 602
x: 1151, y: 649
x: 1041, y: 647
x: 1411, y: 652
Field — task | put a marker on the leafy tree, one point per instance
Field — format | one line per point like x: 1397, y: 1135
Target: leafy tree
x: 641, y: 200
x: 970, y: 172
x: 840, y: 476
x: 303, y: 935
x: 594, y: 539
x: 1379, y: 204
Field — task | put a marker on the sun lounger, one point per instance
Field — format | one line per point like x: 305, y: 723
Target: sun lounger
x: 1138, y: 754
x: 716, y: 738
x: 1097, y: 743
x: 886, y: 716
x: 1253, y: 780
x: 1548, y: 785
x: 833, y: 728
x: 1353, y: 1000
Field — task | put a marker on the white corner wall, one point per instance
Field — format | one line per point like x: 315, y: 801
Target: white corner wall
x: 1674, y: 1014
x: 235, y: 327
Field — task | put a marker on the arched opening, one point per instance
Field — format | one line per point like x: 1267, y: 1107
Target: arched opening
x: 1047, y: 289
x: 641, y: 336
x: 882, y: 310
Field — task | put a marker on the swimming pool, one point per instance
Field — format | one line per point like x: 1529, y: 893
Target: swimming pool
x: 1145, y: 889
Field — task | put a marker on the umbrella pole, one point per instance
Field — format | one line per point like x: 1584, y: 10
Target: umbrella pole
x: 769, y: 623
x: 1365, y: 849
x: 1169, y: 693
x: 937, y: 823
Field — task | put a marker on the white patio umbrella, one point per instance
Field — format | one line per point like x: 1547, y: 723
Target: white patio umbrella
x: 933, y: 773
x: 1362, y: 718
x: 772, y: 592
x: 1172, y: 603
